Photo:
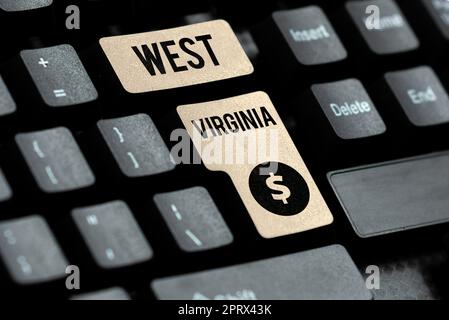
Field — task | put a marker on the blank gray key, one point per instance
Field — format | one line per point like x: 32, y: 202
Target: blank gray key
x: 23, y: 5
x: 198, y: 17
x: 421, y: 95
x: 324, y: 273
x: 106, y: 294
x: 59, y: 75
x: 391, y: 35
x: 5, y: 190
x: 55, y: 160
x: 193, y: 219
x: 7, y: 104
x: 394, y: 196
x: 248, y: 44
x: 439, y: 10
x: 112, y: 234
x: 30, y: 251
x: 136, y: 145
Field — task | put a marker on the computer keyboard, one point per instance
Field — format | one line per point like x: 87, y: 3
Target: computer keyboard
x: 114, y: 163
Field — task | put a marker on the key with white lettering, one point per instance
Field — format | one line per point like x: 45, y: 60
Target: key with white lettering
x: 178, y: 57
x: 5, y: 189
x: 59, y: 75
x: 7, y: 104
x: 136, y: 145
x: 421, y: 95
x: 30, y: 251
x: 55, y: 160
x: 349, y: 109
x: 112, y: 234
x: 386, y: 31
x: 302, y: 36
x: 326, y: 273
x: 245, y: 137
x: 193, y: 219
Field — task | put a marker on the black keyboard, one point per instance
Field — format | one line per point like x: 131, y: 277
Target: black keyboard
x: 224, y: 150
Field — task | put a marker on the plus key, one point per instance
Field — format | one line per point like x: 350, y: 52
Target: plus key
x: 59, y: 76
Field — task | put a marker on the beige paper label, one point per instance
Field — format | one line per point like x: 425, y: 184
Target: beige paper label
x: 177, y: 57
x: 245, y: 137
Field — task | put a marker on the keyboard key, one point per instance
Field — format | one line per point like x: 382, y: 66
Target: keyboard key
x: 178, y: 57
x: 198, y: 18
x: 55, y: 160
x: 7, y: 104
x: 249, y: 45
x: 136, y: 145
x: 319, y: 274
x: 59, y: 76
x: 193, y: 219
x: 267, y: 169
x: 421, y: 95
x: 244, y: 36
x: 5, y: 190
x: 439, y: 10
x: 391, y: 35
x: 23, y: 5
x: 30, y: 251
x: 307, y: 31
x: 112, y: 234
x: 106, y: 294
x: 394, y: 196
x: 349, y: 109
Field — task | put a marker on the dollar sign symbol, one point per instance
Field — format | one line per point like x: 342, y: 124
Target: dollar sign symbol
x: 284, y: 191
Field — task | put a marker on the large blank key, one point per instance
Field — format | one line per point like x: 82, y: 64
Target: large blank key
x: 59, y: 76
x: 23, y: 5
x: 324, y: 273
x: 5, y: 190
x: 136, y: 145
x: 194, y: 219
x: 395, y: 196
x: 112, y: 235
x: 30, y: 251
x: 55, y: 160
x: 115, y: 293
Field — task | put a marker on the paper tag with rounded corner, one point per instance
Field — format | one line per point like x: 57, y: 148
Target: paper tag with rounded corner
x: 177, y: 57
x: 245, y: 137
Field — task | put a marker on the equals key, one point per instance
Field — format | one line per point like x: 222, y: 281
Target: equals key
x: 59, y: 76
x: 60, y: 93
